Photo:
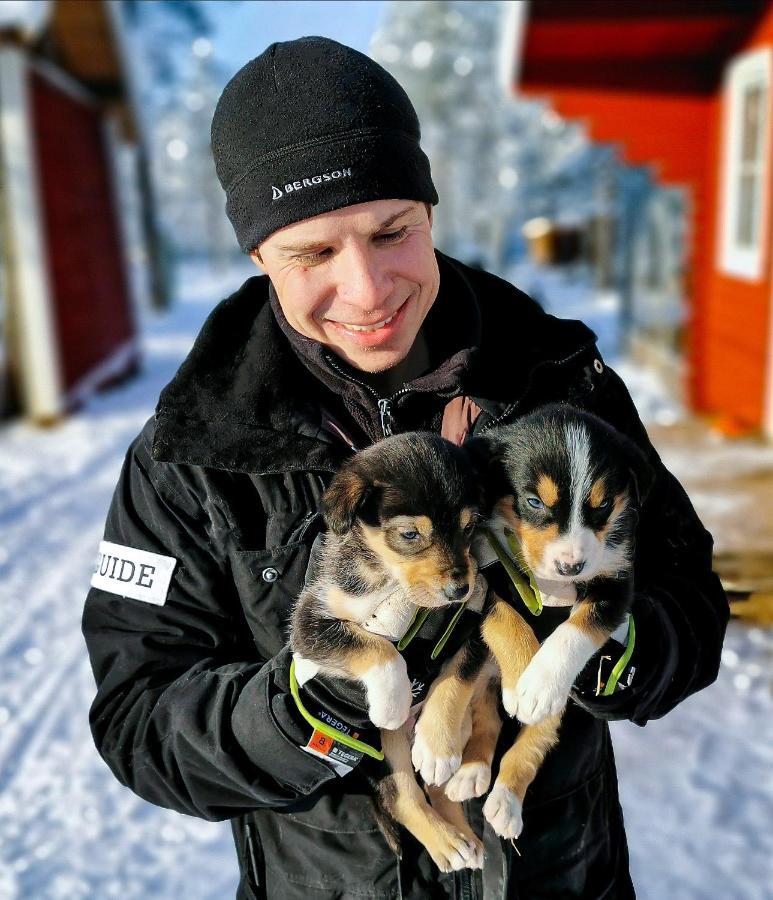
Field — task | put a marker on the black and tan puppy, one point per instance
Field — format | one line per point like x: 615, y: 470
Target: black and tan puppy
x: 565, y: 491
x: 400, y: 517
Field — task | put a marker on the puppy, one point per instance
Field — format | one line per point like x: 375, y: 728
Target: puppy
x: 564, y: 489
x: 400, y: 517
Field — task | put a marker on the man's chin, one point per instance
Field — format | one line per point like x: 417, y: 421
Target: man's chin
x: 372, y: 360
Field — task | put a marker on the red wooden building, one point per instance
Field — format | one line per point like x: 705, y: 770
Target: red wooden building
x: 67, y: 323
x: 684, y: 87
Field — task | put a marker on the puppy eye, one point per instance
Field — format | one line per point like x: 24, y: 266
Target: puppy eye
x: 603, y: 505
x: 409, y: 535
x: 469, y: 528
x: 535, y: 503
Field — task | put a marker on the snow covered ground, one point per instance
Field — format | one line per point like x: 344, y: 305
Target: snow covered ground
x: 697, y: 786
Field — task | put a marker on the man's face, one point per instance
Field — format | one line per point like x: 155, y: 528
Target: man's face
x: 359, y: 280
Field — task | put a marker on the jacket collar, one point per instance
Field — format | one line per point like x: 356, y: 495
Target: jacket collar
x: 246, y: 399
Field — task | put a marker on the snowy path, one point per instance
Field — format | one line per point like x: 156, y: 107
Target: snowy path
x: 697, y: 787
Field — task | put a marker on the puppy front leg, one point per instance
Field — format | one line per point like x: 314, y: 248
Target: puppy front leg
x: 504, y: 805
x: 474, y: 775
x: 381, y: 668
x: 544, y: 687
x: 513, y: 645
x: 452, y: 846
x: 345, y: 649
x: 438, y: 740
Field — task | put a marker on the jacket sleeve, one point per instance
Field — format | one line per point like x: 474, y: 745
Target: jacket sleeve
x: 186, y: 714
x: 680, y: 609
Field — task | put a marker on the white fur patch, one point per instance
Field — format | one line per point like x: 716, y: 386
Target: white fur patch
x: 471, y: 780
x: 433, y: 769
x: 389, y: 694
x: 305, y: 669
x: 503, y: 812
x: 544, y: 686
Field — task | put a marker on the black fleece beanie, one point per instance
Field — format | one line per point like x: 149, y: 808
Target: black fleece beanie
x: 310, y: 126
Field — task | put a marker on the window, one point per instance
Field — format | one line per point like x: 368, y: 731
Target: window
x: 745, y: 177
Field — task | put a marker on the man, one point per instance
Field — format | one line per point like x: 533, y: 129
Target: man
x: 358, y: 329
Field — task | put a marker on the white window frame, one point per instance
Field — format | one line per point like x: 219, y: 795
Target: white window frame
x: 748, y: 70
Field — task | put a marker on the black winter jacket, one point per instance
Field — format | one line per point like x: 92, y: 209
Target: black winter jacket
x: 192, y: 708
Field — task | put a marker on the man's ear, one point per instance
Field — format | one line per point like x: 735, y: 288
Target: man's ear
x: 346, y: 496
x: 257, y: 259
x: 428, y: 207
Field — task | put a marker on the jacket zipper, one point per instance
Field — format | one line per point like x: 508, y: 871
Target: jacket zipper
x: 465, y: 885
x: 251, y: 855
x: 548, y: 362
x: 384, y: 404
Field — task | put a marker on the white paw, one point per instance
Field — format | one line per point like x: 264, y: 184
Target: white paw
x: 453, y: 851
x: 389, y: 694
x: 472, y: 780
x: 539, y: 694
x: 502, y: 810
x: 433, y: 769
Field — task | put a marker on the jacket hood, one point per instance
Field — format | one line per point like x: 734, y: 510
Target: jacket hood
x: 244, y: 399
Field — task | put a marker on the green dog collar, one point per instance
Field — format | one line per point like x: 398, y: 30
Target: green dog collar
x: 323, y: 727
x: 517, y: 569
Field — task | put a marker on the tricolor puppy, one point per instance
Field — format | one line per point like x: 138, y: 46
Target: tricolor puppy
x: 400, y: 517
x: 566, y: 487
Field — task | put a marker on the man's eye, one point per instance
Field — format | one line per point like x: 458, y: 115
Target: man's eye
x: 409, y: 535
x: 391, y: 237
x: 313, y: 259
x: 535, y: 503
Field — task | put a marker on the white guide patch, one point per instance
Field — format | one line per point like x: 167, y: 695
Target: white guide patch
x: 130, y: 572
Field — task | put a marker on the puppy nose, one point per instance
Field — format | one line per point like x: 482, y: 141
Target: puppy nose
x: 456, y: 591
x: 570, y: 568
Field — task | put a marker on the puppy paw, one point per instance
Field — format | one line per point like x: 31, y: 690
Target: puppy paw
x: 502, y: 810
x: 539, y: 694
x: 389, y: 694
x: 452, y: 850
x: 433, y: 768
x: 472, y: 780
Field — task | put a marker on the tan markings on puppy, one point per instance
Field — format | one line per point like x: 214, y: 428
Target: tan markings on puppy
x: 465, y: 517
x: 379, y: 652
x: 486, y: 724
x: 503, y: 509
x: 422, y: 524
x: 376, y: 540
x: 619, y: 506
x: 450, y: 847
x: 345, y: 606
x: 510, y: 640
x: 547, y: 490
x: 473, y: 777
x: 454, y: 813
x: 597, y: 493
x: 438, y: 745
x: 534, y: 541
x: 426, y: 570
x: 583, y: 619
x: 522, y: 761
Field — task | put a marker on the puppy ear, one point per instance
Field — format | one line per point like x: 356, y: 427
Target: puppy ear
x: 347, y: 494
x: 642, y: 473
x: 485, y: 454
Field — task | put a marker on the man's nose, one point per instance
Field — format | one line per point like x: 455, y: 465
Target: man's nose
x: 361, y: 280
